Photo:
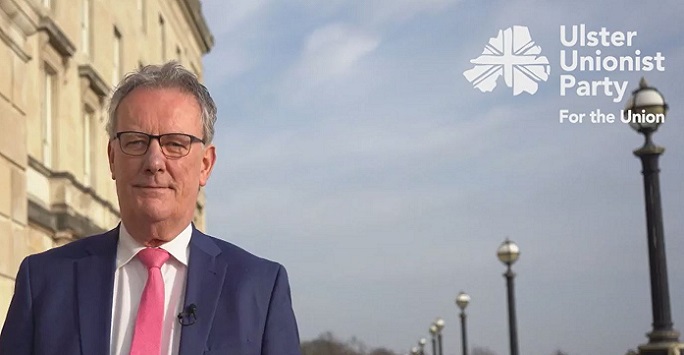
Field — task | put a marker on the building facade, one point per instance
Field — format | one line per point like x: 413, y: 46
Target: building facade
x: 59, y: 60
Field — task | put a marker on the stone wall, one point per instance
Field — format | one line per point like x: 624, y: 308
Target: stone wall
x: 59, y: 60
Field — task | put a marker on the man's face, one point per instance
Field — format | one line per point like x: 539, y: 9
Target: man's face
x: 152, y: 188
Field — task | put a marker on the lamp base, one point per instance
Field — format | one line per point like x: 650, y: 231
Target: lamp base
x: 664, y: 348
x: 663, y: 336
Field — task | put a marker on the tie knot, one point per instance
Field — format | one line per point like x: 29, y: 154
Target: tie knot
x: 153, y: 257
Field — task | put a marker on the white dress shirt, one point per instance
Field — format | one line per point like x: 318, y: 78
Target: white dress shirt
x: 129, y: 281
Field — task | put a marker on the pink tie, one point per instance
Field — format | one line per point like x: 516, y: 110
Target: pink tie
x: 147, y: 333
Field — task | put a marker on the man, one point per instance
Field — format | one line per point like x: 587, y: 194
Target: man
x: 154, y: 284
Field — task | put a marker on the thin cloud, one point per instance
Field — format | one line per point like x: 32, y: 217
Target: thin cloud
x: 233, y: 27
x: 329, y: 53
x: 393, y: 12
x: 227, y: 16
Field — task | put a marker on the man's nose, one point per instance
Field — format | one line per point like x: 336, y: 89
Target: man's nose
x: 154, y: 158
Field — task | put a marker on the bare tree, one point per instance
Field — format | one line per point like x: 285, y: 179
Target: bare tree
x: 327, y: 344
x: 357, y: 345
x: 482, y: 351
x: 382, y: 351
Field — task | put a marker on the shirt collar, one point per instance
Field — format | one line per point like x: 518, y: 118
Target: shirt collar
x: 128, y: 247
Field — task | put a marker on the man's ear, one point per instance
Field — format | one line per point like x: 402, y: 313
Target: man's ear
x: 208, y: 160
x: 110, y: 156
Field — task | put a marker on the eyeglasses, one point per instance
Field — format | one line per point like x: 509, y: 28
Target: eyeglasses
x: 173, y: 145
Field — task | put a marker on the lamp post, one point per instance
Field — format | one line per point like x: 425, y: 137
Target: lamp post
x: 433, y: 334
x: 645, y: 111
x: 508, y: 253
x: 462, y: 301
x: 414, y: 350
x: 421, y: 346
x: 439, y: 325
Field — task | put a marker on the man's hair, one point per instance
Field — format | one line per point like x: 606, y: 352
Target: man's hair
x: 168, y: 75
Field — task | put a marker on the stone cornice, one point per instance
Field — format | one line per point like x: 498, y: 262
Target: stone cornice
x: 97, y: 84
x: 192, y: 10
x: 58, y: 39
x: 17, y: 21
x: 40, y: 168
x: 23, y: 16
x: 61, y: 218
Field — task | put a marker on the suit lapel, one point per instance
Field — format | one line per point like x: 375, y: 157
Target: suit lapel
x: 205, y: 279
x: 95, y: 287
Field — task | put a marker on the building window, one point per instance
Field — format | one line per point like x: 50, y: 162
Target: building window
x: 87, y: 147
x: 117, y: 56
x: 47, y: 114
x: 85, y: 27
x: 143, y: 15
x: 163, y: 38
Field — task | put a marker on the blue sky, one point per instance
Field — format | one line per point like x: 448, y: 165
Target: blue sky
x: 352, y: 150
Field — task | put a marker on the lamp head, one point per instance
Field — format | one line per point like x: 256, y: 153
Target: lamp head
x: 645, y: 108
x: 439, y: 323
x: 508, y: 252
x: 462, y: 300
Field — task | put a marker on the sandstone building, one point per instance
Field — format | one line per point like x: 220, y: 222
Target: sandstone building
x: 59, y: 60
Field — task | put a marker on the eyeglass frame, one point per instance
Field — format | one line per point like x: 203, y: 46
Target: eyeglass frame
x: 158, y: 137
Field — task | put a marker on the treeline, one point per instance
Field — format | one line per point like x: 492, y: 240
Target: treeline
x: 327, y: 344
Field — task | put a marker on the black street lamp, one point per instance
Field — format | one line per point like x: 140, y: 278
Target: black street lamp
x: 508, y: 253
x: 433, y: 334
x: 462, y: 301
x: 439, y: 325
x: 645, y: 111
x: 421, y: 346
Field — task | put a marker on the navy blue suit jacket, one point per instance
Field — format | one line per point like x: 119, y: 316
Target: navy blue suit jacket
x: 62, y: 301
